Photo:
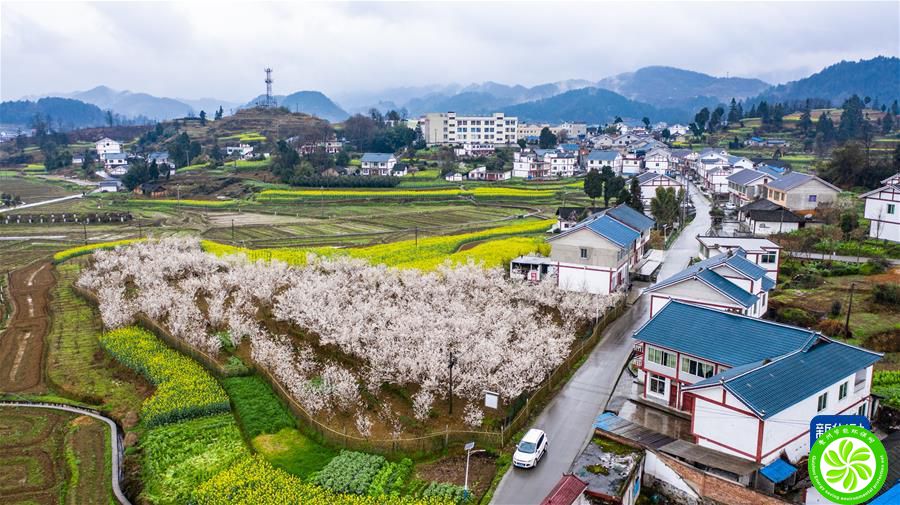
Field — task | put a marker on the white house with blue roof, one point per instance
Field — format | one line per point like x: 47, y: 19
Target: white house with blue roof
x: 377, y: 164
x: 650, y: 181
x: 728, y: 282
x: 599, y: 158
x: 596, y: 254
x: 751, y: 386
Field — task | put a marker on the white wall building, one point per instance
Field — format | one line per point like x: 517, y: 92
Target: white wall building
x: 597, y: 159
x: 528, y: 164
x: 747, y: 382
x: 377, y: 164
x: 883, y: 210
x: 107, y: 145
x: 651, y: 181
x: 801, y: 192
x: 658, y: 161
x: 761, y: 251
x: 451, y: 128
x: 727, y: 282
x: 483, y: 174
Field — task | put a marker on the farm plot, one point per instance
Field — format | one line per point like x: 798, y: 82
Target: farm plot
x: 76, y: 366
x: 50, y: 457
x: 33, y: 190
x: 22, y: 344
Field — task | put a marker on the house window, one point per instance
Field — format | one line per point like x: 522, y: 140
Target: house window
x: 859, y: 381
x: 696, y: 368
x: 891, y: 208
x: 767, y: 258
x: 584, y: 253
x: 842, y: 391
x: 658, y: 384
x: 861, y: 411
x: 660, y: 357
x: 823, y: 402
x: 812, y: 198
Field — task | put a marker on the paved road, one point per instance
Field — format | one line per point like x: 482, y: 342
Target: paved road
x: 115, y: 439
x: 569, y: 416
x: 45, y: 202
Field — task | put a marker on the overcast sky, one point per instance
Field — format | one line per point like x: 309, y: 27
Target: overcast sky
x: 192, y: 49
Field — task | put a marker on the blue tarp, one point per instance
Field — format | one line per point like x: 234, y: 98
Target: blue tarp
x: 889, y: 497
x: 778, y: 470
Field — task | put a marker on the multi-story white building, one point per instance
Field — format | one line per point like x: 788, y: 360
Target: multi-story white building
x: 572, y: 130
x: 883, y: 210
x: 631, y: 164
x: 453, y: 128
x: 529, y: 165
x: 597, y: 159
x: 761, y: 251
x: 658, y: 160
x: 561, y: 163
x: 750, y: 386
x: 377, y: 164
x: 651, y: 181
x: 106, y: 146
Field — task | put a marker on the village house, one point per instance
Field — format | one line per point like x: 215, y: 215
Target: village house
x: 474, y: 150
x: 746, y: 186
x: 727, y: 282
x: 631, y: 164
x: 562, y: 163
x: 325, y: 146
x: 377, y: 164
x: 801, y: 193
x: 111, y: 161
x: 453, y: 177
x: 761, y: 251
x: 762, y: 218
x: 658, y: 161
x: 651, y: 181
x: 611, y: 469
x: 483, y: 174
x: 602, y: 141
x: 597, y: 159
x: 595, y: 255
x: 151, y: 189
x: 883, y: 210
x: 106, y: 146
x: 527, y: 164
x: 745, y: 381
x: 110, y: 185
x: 567, y: 217
x: 242, y: 151
x: 568, y: 491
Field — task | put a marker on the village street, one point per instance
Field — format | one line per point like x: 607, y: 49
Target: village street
x: 571, y: 413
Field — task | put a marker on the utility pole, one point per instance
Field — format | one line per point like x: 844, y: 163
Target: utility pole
x: 232, y: 230
x: 849, y: 309
x: 84, y: 227
x: 417, y: 238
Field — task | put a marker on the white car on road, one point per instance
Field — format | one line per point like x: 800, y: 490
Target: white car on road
x: 531, y: 449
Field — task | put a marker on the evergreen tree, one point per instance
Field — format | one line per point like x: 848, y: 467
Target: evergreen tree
x: 805, y: 123
x: 733, y: 112
x: 547, y: 140
x: 203, y: 118
x: 887, y: 124
x: 219, y: 113
x: 635, y: 200
x: 852, y: 119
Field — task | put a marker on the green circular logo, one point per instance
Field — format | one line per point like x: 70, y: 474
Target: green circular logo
x: 848, y: 464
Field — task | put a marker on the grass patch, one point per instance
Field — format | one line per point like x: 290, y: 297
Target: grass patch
x: 257, y: 407
x: 293, y: 452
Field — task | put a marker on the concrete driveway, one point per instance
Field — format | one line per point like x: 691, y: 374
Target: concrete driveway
x: 569, y: 417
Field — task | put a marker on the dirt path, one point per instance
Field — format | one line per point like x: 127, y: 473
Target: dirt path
x: 22, y: 344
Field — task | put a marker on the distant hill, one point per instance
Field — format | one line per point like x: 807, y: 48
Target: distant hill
x: 488, y: 97
x: 62, y: 111
x: 132, y: 105
x: 875, y: 78
x: 314, y: 103
x: 677, y: 88
x: 590, y: 105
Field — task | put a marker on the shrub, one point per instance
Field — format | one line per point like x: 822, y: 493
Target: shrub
x: 183, y: 388
x: 795, y: 316
x: 390, y: 479
x: 835, y: 308
x: 832, y: 328
x: 874, y: 266
x: 886, y: 294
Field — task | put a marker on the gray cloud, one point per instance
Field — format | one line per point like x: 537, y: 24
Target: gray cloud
x: 194, y: 49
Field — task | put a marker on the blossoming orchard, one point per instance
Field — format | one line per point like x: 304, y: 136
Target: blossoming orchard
x: 337, y: 333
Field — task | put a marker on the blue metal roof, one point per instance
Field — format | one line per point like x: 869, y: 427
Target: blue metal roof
x: 778, y: 470
x: 722, y: 337
x: 631, y: 217
x: 703, y: 270
x: 745, y: 176
x: 889, y: 497
x: 790, y: 181
x: 599, y: 155
x: 775, y: 385
x: 728, y: 288
x: 613, y: 231
x: 569, y: 147
x: 770, y: 170
x: 376, y: 157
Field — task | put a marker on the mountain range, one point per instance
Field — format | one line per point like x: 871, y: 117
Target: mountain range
x: 659, y: 92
